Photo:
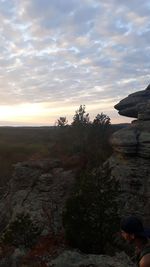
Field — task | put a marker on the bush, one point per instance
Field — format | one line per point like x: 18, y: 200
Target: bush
x: 21, y: 232
x: 90, y: 218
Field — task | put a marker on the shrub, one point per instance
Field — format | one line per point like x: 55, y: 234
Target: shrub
x: 90, y: 217
x: 21, y: 232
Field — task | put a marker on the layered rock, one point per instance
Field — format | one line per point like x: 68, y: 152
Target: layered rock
x: 136, y: 105
x: 130, y: 163
x: 39, y: 188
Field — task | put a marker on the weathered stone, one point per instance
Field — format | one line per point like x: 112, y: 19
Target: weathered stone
x: 125, y: 141
x: 130, y: 163
x: 40, y: 193
x: 11, y: 257
x: 134, y: 177
x: 133, y: 140
x: 136, y: 105
x: 144, y: 144
x: 76, y: 259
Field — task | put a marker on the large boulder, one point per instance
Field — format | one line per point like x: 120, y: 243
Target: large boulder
x: 136, y: 105
x: 133, y: 140
x: 39, y: 188
x: 130, y: 162
x: 77, y: 259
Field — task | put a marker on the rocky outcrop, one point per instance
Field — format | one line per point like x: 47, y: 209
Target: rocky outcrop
x: 67, y: 258
x: 136, y: 105
x: 130, y: 163
x: 76, y: 259
x: 133, y: 140
x: 39, y: 188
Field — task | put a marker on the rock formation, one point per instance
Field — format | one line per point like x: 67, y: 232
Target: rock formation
x: 130, y: 163
x: 76, y: 259
x: 136, y: 105
x: 39, y: 188
x: 67, y: 258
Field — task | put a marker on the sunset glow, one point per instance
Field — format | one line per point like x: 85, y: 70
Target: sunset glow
x: 57, y: 55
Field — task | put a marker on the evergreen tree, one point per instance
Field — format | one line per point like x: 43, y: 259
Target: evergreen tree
x: 101, y: 119
x: 91, y: 218
x: 81, y: 117
x: 62, y: 121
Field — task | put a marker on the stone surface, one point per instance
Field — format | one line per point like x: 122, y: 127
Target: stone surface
x: 67, y: 258
x: 133, y: 175
x: 11, y: 257
x: 39, y: 188
x: 130, y: 162
x: 133, y: 140
x: 136, y: 105
x: 125, y: 141
x: 76, y: 259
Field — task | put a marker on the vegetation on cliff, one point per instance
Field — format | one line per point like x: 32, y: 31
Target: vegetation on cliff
x: 91, y: 217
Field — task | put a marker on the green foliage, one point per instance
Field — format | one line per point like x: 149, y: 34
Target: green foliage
x: 24, y: 143
x: 81, y: 117
x: 90, y: 217
x: 62, y: 121
x: 101, y: 119
x: 21, y: 232
x: 90, y: 142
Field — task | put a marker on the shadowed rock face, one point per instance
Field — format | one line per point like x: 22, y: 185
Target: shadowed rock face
x: 130, y: 162
x: 133, y: 141
x: 77, y: 259
x: 136, y: 105
x: 39, y: 188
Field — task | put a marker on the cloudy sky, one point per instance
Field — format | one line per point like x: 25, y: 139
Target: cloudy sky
x: 58, y: 54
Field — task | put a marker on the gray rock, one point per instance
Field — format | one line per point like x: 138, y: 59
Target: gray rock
x: 40, y: 191
x: 76, y: 259
x: 125, y: 141
x: 133, y: 140
x: 130, y: 162
x: 136, y: 105
x: 12, y: 258
x: 144, y: 144
x: 133, y: 175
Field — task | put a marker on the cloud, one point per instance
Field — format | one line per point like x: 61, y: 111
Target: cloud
x: 73, y: 51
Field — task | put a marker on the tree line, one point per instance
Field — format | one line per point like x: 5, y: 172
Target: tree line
x: 83, y: 118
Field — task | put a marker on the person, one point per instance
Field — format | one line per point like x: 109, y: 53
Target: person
x: 132, y: 230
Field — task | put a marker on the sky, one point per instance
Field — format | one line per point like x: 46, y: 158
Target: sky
x: 56, y: 55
